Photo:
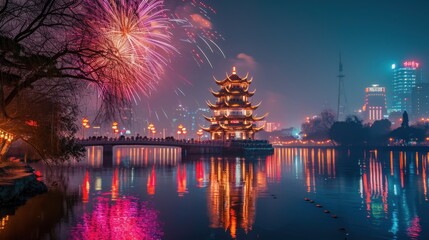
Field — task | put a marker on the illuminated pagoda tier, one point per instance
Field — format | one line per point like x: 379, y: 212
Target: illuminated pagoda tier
x: 233, y: 112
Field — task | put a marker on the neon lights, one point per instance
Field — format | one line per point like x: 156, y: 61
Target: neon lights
x: 411, y: 64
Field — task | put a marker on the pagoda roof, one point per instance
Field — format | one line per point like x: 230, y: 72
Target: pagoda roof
x: 232, y: 92
x: 225, y: 104
x: 255, y: 118
x: 211, y: 128
x: 240, y: 117
x: 257, y: 129
x: 233, y: 78
x: 238, y: 127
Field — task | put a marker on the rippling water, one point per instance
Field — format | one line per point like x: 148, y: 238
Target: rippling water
x: 154, y: 193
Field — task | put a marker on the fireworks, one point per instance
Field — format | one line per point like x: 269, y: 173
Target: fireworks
x: 134, y: 39
x: 194, y: 28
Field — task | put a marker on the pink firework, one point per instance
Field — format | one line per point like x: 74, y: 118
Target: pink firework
x: 193, y: 27
x: 132, y: 39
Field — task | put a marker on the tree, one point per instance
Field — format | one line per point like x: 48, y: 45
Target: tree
x: 44, y: 66
x: 317, y: 128
x: 405, y: 133
x: 349, y: 132
x: 379, y: 132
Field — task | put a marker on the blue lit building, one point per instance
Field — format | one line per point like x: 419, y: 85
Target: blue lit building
x: 405, y: 78
x: 420, y: 101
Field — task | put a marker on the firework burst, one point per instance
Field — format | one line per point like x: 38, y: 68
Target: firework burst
x: 133, y: 38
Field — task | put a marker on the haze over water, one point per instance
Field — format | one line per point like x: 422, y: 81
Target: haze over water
x: 154, y: 193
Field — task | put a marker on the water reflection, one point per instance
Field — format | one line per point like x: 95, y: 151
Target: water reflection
x: 133, y: 156
x: 233, y: 189
x: 126, y: 218
x: 42, y: 217
x: 152, y: 193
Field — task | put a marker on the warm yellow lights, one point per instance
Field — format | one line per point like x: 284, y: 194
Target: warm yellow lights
x: 115, y: 127
x: 181, y: 130
x: 6, y: 136
x: 151, y: 128
x: 234, y: 71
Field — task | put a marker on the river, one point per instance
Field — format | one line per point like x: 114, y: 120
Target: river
x: 155, y: 193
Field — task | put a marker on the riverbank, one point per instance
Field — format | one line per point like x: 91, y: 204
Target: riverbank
x: 18, y: 182
x: 417, y: 148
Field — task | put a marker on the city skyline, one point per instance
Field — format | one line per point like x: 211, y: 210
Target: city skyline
x: 291, y: 50
x: 291, y: 61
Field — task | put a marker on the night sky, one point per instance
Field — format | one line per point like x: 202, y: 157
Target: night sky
x: 291, y: 48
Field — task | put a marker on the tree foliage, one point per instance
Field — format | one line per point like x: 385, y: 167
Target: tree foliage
x: 317, y: 128
x: 379, y: 132
x: 44, y: 67
x: 349, y: 132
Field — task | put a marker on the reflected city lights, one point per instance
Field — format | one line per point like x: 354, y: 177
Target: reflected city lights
x: 388, y: 188
x: 86, y: 187
x: 181, y: 180
x: 151, y: 182
x: 146, y: 156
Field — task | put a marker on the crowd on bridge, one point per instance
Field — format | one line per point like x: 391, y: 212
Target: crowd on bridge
x: 170, y: 139
x: 139, y: 138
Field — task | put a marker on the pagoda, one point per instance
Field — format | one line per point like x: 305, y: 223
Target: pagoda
x: 233, y: 113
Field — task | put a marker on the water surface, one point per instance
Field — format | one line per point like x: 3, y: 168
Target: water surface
x: 155, y: 193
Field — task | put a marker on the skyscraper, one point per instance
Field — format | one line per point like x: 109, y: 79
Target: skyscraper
x: 405, y: 79
x: 375, y: 103
x: 420, y: 101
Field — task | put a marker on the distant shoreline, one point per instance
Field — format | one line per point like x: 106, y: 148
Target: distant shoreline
x: 418, y: 148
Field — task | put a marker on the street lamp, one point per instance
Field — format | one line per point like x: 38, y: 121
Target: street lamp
x: 153, y: 132
x: 200, y: 134
x: 180, y: 131
x: 184, y: 133
x: 85, y: 124
x: 115, y: 127
x: 151, y: 128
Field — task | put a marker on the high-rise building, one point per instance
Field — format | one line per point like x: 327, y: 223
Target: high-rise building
x: 405, y: 79
x: 272, y: 126
x: 420, y: 101
x: 375, y: 107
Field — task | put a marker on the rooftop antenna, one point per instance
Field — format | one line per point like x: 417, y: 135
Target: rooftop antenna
x: 341, y: 90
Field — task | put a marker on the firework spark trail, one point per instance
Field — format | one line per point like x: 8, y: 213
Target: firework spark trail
x: 165, y: 114
x: 205, y: 56
x: 180, y: 90
x: 157, y: 117
x: 194, y: 27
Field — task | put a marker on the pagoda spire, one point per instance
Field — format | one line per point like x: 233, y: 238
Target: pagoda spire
x: 234, y: 71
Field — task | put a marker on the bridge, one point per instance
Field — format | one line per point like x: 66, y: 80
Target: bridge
x: 187, y: 146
